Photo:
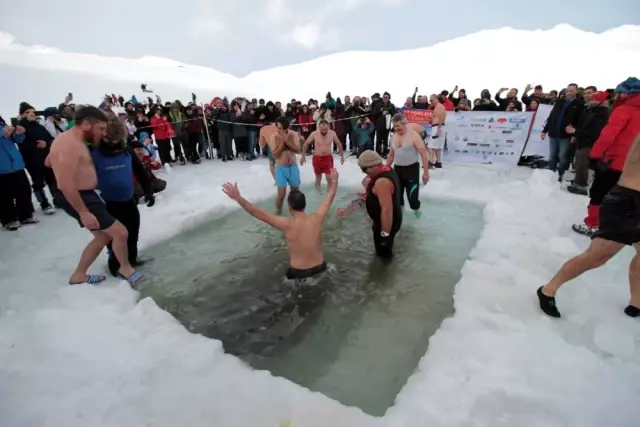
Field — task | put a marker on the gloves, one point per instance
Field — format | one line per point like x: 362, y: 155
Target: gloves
x: 150, y: 200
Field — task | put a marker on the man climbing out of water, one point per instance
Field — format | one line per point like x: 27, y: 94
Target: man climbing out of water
x: 77, y: 180
x: 322, y: 159
x: 265, y: 133
x: 284, y: 145
x: 436, y: 141
x: 406, y: 150
x: 619, y: 226
x: 382, y: 202
x: 302, y: 232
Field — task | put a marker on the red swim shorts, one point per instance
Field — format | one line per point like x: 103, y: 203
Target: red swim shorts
x: 322, y: 164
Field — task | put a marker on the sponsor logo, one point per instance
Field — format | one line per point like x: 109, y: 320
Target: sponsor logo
x: 502, y: 120
x: 473, y: 125
x: 518, y: 119
x: 492, y: 120
x: 510, y: 141
x: 465, y: 139
x: 479, y: 119
x: 460, y: 117
x: 506, y: 132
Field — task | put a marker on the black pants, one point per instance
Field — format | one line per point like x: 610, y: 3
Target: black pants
x: 42, y: 176
x: 129, y: 215
x: 177, y: 149
x: 192, y: 147
x: 15, y: 197
x: 242, y: 143
x: 382, y: 141
x: 181, y: 140
x: 602, y: 183
x: 164, y: 150
x: 385, y: 251
x: 409, y: 179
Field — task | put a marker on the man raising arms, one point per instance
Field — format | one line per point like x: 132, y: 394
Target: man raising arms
x: 284, y: 145
x: 436, y: 142
x: 322, y: 159
x: 77, y: 180
x: 302, y: 232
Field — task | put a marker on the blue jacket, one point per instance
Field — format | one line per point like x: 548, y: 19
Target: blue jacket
x: 115, y: 175
x: 10, y: 158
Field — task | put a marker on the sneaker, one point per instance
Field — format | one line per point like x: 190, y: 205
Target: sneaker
x: 224, y: 159
x: 182, y: 161
x: 49, y: 210
x: 437, y: 165
x: 584, y: 229
x: 12, y: 226
x: 32, y: 220
x: 547, y: 304
x: 577, y: 190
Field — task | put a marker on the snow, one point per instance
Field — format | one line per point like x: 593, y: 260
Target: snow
x: 95, y: 356
x: 52, y: 73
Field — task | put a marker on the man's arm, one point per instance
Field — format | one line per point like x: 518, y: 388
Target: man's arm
x: 391, y: 155
x: 383, y: 189
x: 338, y: 143
x: 324, y: 207
x: 309, y: 140
x: 419, y: 144
x: 276, y: 148
x: 277, y: 222
x: 65, y: 168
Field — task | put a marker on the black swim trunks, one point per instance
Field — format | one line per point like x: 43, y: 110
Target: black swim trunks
x: 620, y: 216
x: 93, y: 202
x: 294, y: 273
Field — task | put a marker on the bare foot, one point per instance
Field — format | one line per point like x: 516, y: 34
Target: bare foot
x: 319, y: 188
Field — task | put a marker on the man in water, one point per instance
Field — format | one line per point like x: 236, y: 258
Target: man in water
x: 302, y: 232
x: 619, y: 226
x: 382, y: 202
x: 436, y: 142
x: 77, y: 180
x: 406, y: 150
x: 322, y: 159
x: 265, y: 133
x: 284, y: 145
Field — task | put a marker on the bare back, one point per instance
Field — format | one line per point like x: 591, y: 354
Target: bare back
x: 323, y: 143
x: 304, y: 241
x: 265, y: 134
x: 70, y: 160
x: 439, y: 115
x: 630, y: 177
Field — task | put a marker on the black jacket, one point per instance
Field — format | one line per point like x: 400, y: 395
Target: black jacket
x: 526, y: 99
x: 224, y: 116
x: 34, y: 132
x: 378, y: 111
x: 571, y: 116
x: 592, y: 121
x: 503, y: 103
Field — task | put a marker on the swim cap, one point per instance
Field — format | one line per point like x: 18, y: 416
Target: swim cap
x: 369, y: 159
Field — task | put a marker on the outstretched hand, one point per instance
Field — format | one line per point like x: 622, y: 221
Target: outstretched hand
x: 231, y: 190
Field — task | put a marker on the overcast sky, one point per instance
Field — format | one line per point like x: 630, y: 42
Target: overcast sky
x: 241, y: 36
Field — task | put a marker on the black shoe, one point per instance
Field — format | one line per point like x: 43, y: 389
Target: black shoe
x: 182, y: 161
x: 547, y: 304
x: 437, y: 165
x: 230, y: 158
x: 632, y: 311
x: 577, y: 190
x: 224, y: 160
x: 206, y: 155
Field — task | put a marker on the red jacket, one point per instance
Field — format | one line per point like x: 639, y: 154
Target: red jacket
x: 615, y: 139
x: 306, y: 122
x: 162, y: 129
x: 448, y: 105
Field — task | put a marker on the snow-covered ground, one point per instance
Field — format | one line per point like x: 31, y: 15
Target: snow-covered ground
x: 96, y: 356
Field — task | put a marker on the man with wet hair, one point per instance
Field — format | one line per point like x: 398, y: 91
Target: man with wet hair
x: 302, y: 232
x: 284, y: 144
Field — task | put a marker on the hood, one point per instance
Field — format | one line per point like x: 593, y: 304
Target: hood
x: 630, y: 101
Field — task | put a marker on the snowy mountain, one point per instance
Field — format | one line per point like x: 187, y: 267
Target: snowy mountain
x: 486, y: 59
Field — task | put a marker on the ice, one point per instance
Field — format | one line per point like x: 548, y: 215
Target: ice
x: 95, y: 356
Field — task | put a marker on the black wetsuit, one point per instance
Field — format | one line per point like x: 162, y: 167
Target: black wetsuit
x: 384, y: 245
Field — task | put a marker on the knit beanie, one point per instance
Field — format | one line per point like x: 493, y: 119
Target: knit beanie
x: 24, y: 106
x: 369, y: 159
x: 116, y: 130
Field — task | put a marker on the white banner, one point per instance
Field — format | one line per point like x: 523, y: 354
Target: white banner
x: 486, y: 136
x: 536, y: 146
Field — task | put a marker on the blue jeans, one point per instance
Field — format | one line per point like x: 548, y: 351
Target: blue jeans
x: 252, y: 139
x: 558, y: 150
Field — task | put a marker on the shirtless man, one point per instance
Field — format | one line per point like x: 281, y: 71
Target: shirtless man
x: 436, y: 142
x: 284, y: 145
x: 619, y: 226
x: 77, y: 180
x: 302, y: 232
x: 322, y: 159
x: 265, y: 133
x: 406, y: 150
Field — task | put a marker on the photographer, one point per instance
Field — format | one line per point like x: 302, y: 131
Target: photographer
x: 54, y: 122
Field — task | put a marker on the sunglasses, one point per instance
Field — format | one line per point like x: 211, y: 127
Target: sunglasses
x: 364, y: 170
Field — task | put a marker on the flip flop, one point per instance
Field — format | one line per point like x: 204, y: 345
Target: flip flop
x: 93, y: 279
x: 133, y: 279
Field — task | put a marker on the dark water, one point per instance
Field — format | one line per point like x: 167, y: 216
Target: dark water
x: 355, y: 334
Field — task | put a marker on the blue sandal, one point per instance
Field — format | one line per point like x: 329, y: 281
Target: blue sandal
x: 92, y: 279
x: 133, y: 279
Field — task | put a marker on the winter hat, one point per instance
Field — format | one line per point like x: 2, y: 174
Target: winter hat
x: 600, y: 96
x: 631, y: 85
x: 24, y: 106
x: 369, y: 159
x: 375, y: 95
x: 116, y: 130
x: 464, y: 101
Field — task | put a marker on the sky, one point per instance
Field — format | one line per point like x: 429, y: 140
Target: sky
x: 241, y: 36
